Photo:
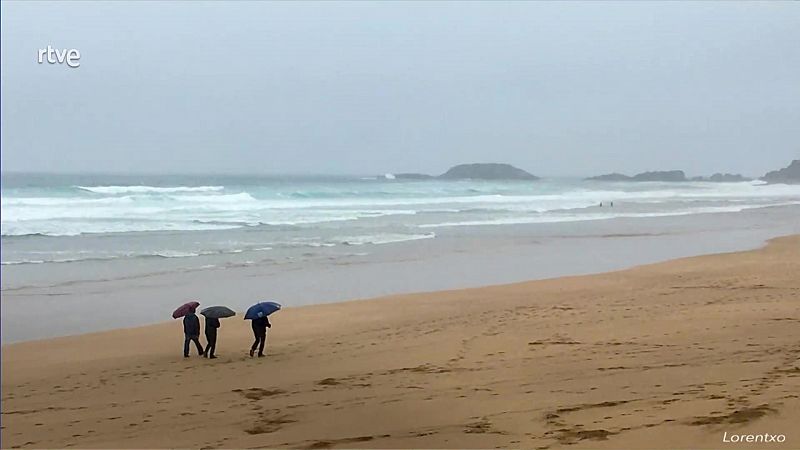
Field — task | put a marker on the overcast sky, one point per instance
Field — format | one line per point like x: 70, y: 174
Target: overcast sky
x: 361, y: 88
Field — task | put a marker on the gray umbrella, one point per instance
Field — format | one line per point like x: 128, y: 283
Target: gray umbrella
x: 218, y: 312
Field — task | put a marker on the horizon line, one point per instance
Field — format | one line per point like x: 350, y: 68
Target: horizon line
x: 334, y: 175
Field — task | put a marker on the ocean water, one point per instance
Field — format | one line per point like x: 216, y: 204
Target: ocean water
x: 62, y: 219
x: 103, y: 252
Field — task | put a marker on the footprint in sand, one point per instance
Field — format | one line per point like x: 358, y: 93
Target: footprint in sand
x: 258, y: 393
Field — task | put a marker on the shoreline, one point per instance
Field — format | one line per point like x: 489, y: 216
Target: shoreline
x: 391, y: 296
x: 667, y: 355
x: 345, y: 303
x: 455, y: 259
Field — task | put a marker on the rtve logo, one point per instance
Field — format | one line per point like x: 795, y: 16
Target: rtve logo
x: 71, y: 57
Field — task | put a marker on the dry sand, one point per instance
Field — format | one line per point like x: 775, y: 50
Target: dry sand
x: 670, y: 355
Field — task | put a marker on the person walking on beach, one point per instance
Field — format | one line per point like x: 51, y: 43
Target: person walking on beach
x: 211, y: 337
x: 191, y: 331
x: 260, y: 326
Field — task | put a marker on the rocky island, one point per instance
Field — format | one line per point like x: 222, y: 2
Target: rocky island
x: 787, y: 175
x: 723, y: 178
x: 610, y: 177
x: 479, y: 171
x: 671, y: 176
x: 413, y: 176
x: 668, y: 175
x: 490, y: 171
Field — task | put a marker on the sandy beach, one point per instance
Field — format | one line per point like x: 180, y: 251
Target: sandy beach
x: 670, y: 355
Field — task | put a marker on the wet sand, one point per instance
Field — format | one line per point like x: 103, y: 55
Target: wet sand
x: 670, y: 355
x: 102, y: 295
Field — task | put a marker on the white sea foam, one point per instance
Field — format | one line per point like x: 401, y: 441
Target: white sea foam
x: 386, y: 238
x: 118, y: 209
x: 75, y: 228
x: 148, y: 189
x: 594, y: 216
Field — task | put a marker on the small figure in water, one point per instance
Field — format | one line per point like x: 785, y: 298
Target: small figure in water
x: 601, y: 204
x: 612, y: 204
x: 211, y: 337
x: 260, y: 326
x: 191, y: 332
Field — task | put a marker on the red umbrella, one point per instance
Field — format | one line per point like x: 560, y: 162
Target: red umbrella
x: 185, y: 309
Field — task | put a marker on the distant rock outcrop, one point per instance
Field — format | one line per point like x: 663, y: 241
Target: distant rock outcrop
x: 413, y: 176
x: 610, y: 177
x: 488, y: 171
x: 723, y: 178
x: 788, y: 175
x: 480, y: 171
x: 668, y: 175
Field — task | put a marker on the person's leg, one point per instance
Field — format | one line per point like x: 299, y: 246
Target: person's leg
x: 186, y: 346
x: 212, y: 345
x: 196, y: 340
x: 208, y: 344
x: 253, y: 347
x: 262, y: 341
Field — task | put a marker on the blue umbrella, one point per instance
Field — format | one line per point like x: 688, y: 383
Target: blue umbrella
x: 261, y: 309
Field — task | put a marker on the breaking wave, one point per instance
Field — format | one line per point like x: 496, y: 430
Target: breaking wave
x: 115, y: 190
x: 90, y: 209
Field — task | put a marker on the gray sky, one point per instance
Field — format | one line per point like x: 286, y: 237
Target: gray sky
x: 555, y: 88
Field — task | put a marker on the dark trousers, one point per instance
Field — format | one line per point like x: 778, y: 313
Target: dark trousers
x: 196, y: 340
x: 261, y: 339
x: 211, y: 345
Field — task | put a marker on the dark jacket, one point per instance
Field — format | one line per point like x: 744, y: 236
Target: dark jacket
x: 260, y: 326
x: 191, y: 325
x: 212, y: 325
